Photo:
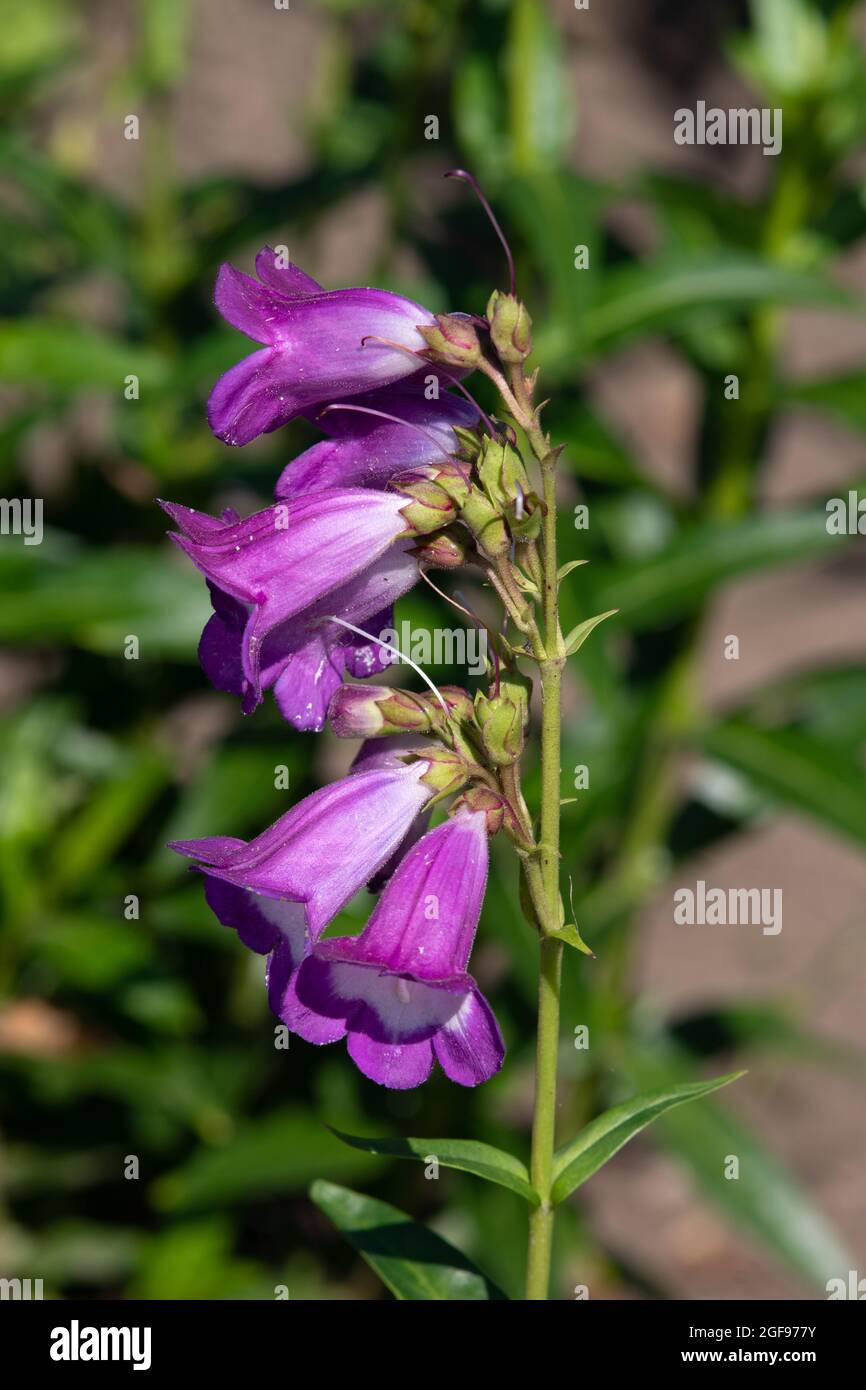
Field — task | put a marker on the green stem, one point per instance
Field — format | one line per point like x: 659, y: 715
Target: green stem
x: 550, y: 950
x: 544, y: 1120
x: 543, y: 874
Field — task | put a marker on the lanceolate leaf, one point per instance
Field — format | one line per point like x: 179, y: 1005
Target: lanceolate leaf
x: 606, y: 1135
x: 579, y: 634
x: 764, y: 1199
x: 413, y: 1262
x: 639, y: 298
x: 797, y: 769
x: 677, y: 579
x: 468, y: 1155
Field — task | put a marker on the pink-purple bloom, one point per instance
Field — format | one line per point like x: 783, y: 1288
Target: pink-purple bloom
x: 368, y: 450
x: 337, y: 548
x: 400, y: 992
x: 280, y: 890
x: 319, y: 345
x: 276, y: 577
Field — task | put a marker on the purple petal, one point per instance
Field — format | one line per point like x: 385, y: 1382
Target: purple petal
x: 324, y: 849
x: 367, y: 451
x: 250, y: 306
x: 424, y: 923
x: 248, y: 399
x: 469, y: 1047
x: 281, y: 978
x: 387, y: 752
x: 365, y: 658
x: 400, y: 1066
x: 263, y: 924
x: 308, y: 680
x: 289, y: 281
x: 319, y: 352
x: 219, y: 652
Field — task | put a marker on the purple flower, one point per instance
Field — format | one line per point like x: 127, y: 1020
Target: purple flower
x: 367, y: 450
x: 274, y: 579
x: 400, y: 992
x: 313, y: 346
x: 280, y: 890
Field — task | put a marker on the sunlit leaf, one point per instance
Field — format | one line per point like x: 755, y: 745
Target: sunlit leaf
x: 413, y: 1262
x: 469, y: 1155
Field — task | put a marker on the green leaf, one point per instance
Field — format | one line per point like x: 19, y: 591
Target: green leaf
x: 579, y: 634
x: 797, y: 769
x: 606, y: 1135
x: 565, y: 570
x: 571, y: 936
x: 764, y: 1200
x: 280, y: 1152
x: 468, y: 1155
x: 843, y: 396
x: 96, y: 598
x: 675, y: 581
x: 64, y: 356
x: 648, y: 297
x: 413, y: 1262
x: 540, y: 120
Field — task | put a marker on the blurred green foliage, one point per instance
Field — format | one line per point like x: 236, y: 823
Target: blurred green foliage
x: 148, y: 1036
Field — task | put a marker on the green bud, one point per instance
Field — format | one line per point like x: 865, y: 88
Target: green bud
x: 447, y: 771
x: 501, y: 471
x: 444, y: 550
x: 510, y: 327
x: 458, y: 700
x: 430, y: 507
x: 453, y: 342
x: 469, y: 441
x: 486, y: 524
x: 373, y: 711
x: 453, y: 476
x: 501, y: 723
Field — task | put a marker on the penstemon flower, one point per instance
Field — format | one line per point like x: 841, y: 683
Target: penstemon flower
x: 320, y: 346
x: 280, y: 890
x: 399, y: 993
x: 269, y: 577
x: 410, y: 477
x: 375, y: 436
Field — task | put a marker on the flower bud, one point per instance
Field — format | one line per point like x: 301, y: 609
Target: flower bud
x: 485, y: 522
x: 444, y: 550
x: 458, y: 700
x: 501, y: 471
x: 500, y: 721
x: 430, y: 506
x: 453, y: 341
x: 510, y: 327
x: 374, y: 711
x: 447, y: 771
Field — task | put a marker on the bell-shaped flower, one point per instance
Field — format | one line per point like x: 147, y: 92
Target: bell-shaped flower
x: 280, y: 890
x: 275, y: 578
x: 367, y: 450
x: 319, y: 345
x: 304, y: 659
x: 400, y: 992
